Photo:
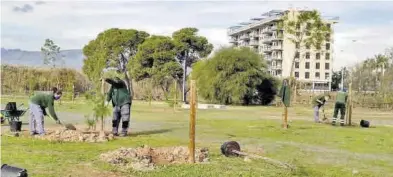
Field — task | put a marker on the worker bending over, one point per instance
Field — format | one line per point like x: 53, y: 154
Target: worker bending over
x: 317, y: 103
x: 121, y: 102
x: 341, y: 100
x: 38, y: 103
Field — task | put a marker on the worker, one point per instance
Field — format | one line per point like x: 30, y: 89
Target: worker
x: 38, y: 103
x: 121, y: 102
x: 341, y: 100
x: 317, y: 103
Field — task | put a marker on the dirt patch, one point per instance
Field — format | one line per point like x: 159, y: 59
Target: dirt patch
x: 146, y: 158
x: 76, y: 136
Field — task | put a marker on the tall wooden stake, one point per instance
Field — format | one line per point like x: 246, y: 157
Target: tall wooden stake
x: 175, y: 97
x: 350, y: 105
x: 103, y: 93
x: 285, y: 122
x: 193, y: 97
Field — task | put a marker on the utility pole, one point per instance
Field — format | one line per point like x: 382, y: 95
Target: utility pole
x: 342, y: 78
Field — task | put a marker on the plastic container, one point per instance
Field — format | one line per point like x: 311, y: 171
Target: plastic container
x: 10, y: 171
x: 16, y: 126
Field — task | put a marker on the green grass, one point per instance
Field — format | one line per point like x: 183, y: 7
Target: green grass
x: 317, y: 150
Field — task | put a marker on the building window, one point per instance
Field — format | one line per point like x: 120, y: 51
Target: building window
x: 326, y: 65
x: 297, y: 74
x: 317, y: 65
x: 327, y: 37
x: 308, y: 33
x: 297, y: 45
x: 327, y: 46
x: 308, y: 26
x: 298, y: 34
x: 307, y: 65
x: 327, y: 76
x: 297, y: 54
x: 308, y: 46
x: 307, y: 75
x: 296, y: 65
x: 317, y: 75
x: 318, y: 56
x: 318, y: 47
x: 327, y: 56
x: 298, y: 26
x: 307, y: 55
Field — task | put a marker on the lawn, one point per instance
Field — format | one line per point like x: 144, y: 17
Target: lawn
x: 316, y: 149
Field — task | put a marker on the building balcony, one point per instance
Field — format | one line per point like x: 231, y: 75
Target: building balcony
x: 277, y: 47
x: 267, y: 30
x: 277, y: 37
x: 277, y: 67
x: 244, y: 36
x: 267, y: 40
x: 254, y: 34
x: 267, y: 50
x: 254, y: 42
x: 233, y: 40
x: 273, y: 28
x: 276, y: 57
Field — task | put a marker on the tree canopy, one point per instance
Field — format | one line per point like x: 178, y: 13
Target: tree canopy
x: 234, y: 76
x: 156, y: 60
x: 112, y: 48
x: 189, y: 48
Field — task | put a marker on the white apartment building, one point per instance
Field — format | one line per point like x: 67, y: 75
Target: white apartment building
x: 312, y: 66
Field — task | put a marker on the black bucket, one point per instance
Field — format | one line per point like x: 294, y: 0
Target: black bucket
x: 16, y: 126
x: 10, y: 171
x: 364, y: 123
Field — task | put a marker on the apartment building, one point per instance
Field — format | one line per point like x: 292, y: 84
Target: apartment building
x: 312, y: 66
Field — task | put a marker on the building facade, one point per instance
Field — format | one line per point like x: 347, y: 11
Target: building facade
x: 312, y: 66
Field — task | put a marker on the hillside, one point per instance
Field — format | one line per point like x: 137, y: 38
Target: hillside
x: 72, y: 58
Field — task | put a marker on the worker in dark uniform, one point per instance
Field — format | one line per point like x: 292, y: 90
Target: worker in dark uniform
x: 317, y: 103
x: 121, y: 102
x: 341, y: 100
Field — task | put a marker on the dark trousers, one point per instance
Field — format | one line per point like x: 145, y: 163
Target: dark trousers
x: 339, y: 107
x: 121, y: 114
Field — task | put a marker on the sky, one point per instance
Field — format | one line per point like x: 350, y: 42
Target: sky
x: 72, y: 24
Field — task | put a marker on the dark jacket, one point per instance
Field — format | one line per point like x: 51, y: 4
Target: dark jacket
x: 118, y: 92
x: 45, y: 101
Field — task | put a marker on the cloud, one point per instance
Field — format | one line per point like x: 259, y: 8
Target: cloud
x: 25, y: 8
x: 39, y: 2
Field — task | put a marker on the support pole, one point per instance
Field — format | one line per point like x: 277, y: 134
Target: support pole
x: 175, y: 97
x: 285, y: 122
x: 350, y: 105
x: 191, y: 147
x: 103, y: 94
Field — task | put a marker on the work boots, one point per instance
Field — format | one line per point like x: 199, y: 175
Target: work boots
x: 124, y: 129
x: 115, y: 127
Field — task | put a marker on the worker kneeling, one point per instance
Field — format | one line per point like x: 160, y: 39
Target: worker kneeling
x: 341, y: 99
x: 121, y: 102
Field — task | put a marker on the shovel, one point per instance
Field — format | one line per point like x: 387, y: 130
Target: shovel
x: 67, y: 126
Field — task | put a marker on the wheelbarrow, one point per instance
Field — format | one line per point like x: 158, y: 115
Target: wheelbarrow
x: 13, y: 116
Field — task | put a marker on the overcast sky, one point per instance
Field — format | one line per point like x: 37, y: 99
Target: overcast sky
x: 71, y: 24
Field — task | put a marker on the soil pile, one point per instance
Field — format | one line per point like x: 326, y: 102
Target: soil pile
x: 76, y: 136
x: 146, y: 158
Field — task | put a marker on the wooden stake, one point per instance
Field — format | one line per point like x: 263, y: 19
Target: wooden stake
x: 191, y: 147
x: 350, y: 105
x: 175, y: 97
x: 103, y: 93
x: 285, y: 122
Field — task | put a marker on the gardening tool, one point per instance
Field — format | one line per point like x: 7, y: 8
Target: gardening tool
x: 232, y: 148
x: 67, y: 126
x: 324, y: 115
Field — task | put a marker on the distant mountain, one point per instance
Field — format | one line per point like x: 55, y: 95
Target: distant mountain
x: 72, y: 58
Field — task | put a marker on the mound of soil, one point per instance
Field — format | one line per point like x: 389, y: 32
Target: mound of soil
x: 76, y: 136
x: 146, y: 158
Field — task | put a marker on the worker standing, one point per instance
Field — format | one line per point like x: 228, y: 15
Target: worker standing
x: 38, y: 103
x: 317, y: 103
x: 121, y: 102
x: 341, y: 100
